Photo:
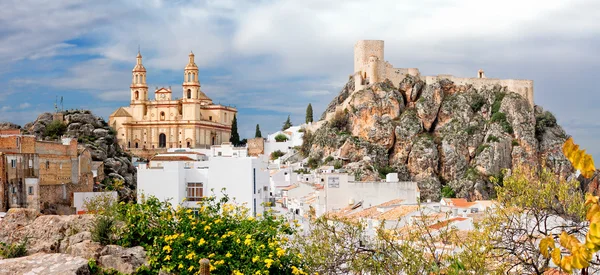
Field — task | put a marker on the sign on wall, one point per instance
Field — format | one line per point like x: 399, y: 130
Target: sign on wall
x: 333, y: 182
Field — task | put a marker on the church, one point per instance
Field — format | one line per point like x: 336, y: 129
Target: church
x: 192, y: 121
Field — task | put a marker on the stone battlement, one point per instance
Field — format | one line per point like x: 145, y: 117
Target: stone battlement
x: 371, y: 67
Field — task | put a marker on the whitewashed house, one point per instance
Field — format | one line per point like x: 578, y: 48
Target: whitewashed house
x: 185, y: 176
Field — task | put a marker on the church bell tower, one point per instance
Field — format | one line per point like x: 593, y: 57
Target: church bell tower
x: 191, y: 85
x: 139, y: 88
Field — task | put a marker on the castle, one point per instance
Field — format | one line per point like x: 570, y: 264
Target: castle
x: 370, y: 67
x: 166, y: 122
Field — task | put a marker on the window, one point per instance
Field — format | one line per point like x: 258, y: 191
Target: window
x: 47, y: 164
x: 13, y: 163
x: 162, y: 115
x: 194, y: 191
x: 162, y: 140
x: 137, y: 95
x: 210, y: 118
x: 18, y: 141
x: 30, y: 190
x: 189, y: 93
x: 30, y: 163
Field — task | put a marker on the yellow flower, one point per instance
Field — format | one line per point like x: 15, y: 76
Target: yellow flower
x: 190, y: 268
x: 180, y: 266
x: 227, y: 255
x: 191, y: 239
x: 211, y: 255
x: 168, y: 257
x: 188, y: 211
x: 280, y: 252
x: 250, y: 218
x: 255, y: 259
x: 257, y: 272
x: 212, y: 267
x: 237, y: 272
x: 217, y: 221
x: 219, y: 242
x: 248, y: 241
x: 237, y: 241
x: 190, y: 256
x: 268, y: 262
x: 201, y: 242
x: 167, y: 248
x: 248, y: 236
x: 207, y: 227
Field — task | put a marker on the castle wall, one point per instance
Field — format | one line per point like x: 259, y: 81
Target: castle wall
x: 395, y: 75
x: 256, y: 146
x: 519, y: 86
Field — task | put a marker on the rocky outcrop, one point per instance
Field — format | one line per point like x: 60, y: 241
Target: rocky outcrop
x: 99, y: 138
x: 9, y: 125
x: 124, y: 260
x: 45, y: 264
x: 48, y: 233
x: 438, y: 134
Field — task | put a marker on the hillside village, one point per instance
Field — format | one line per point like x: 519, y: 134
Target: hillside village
x: 392, y: 150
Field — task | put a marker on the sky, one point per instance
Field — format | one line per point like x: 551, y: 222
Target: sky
x: 270, y: 59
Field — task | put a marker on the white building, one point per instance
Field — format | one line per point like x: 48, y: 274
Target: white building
x: 184, y: 177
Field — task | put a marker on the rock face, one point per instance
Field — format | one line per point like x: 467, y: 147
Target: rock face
x: 99, y: 138
x: 45, y: 264
x: 437, y: 134
x: 124, y: 260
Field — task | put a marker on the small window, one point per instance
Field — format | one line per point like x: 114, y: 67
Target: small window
x: 30, y: 163
x: 210, y: 118
x: 14, y: 190
x: 194, y: 191
x: 47, y: 164
x: 162, y: 115
x: 60, y: 166
x: 18, y: 141
x: 30, y: 190
x: 13, y: 163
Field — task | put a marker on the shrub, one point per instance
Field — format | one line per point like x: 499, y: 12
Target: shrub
x: 14, y: 250
x: 313, y: 163
x: 448, y: 192
x: 55, y: 129
x: 492, y: 138
x: 276, y: 154
x: 103, y: 230
x: 501, y: 118
x: 471, y: 129
x: 477, y: 101
x: 543, y: 121
x: 497, y: 102
x: 281, y: 138
x: 337, y: 165
x: 480, y: 148
x: 307, y: 140
x: 515, y: 143
x: 383, y: 171
x: 472, y: 173
x: 328, y: 159
x: 339, y: 121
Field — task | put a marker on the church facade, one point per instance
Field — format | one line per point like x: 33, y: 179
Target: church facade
x: 166, y: 121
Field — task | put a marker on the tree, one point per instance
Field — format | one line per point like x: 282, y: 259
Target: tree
x: 257, y: 134
x: 235, y: 137
x: 309, y: 113
x: 55, y: 129
x: 287, y: 124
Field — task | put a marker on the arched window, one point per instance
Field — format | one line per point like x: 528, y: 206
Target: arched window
x: 162, y: 115
x: 162, y: 140
x: 137, y: 95
x: 47, y: 164
x: 137, y: 78
x: 189, y: 77
x: 189, y: 93
x: 136, y: 145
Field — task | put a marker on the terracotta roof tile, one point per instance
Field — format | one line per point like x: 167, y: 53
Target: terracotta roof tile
x: 171, y: 158
x: 445, y: 223
x: 398, y: 212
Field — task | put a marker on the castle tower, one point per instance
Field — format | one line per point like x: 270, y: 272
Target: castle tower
x: 191, y: 85
x: 139, y: 88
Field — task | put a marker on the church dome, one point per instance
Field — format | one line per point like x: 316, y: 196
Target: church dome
x: 139, y: 67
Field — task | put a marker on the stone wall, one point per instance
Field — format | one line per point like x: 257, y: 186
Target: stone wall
x: 363, y: 49
x: 256, y: 146
x: 17, y: 144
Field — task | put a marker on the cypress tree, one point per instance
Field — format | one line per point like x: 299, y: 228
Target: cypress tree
x: 309, y: 113
x: 287, y: 124
x: 235, y: 137
x: 257, y: 134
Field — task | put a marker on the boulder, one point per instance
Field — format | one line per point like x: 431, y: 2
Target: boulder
x: 124, y: 260
x: 424, y: 157
x: 45, y: 264
x: 85, y: 249
x: 100, y: 132
x: 429, y: 104
x: 429, y: 186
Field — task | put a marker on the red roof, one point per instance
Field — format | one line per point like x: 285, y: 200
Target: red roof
x: 171, y: 158
x: 445, y: 223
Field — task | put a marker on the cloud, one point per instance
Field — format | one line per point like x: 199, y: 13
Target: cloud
x: 24, y: 105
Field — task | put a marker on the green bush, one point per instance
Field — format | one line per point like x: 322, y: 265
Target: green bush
x: 492, y: 138
x: 103, y: 230
x: 337, y: 165
x: 501, y: 118
x: 497, y: 102
x: 313, y: 163
x: 55, y: 129
x: 307, y: 141
x: 276, y: 154
x: 328, y: 159
x: 14, y: 250
x: 515, y: 143
x: 281, y: 138
x: 340, y: 121
x: 471, y: 129
x: 543, y: 121
x: 447, y: 192
x: 383, y: 171
x: 477, y: 101
x: 472, y: 174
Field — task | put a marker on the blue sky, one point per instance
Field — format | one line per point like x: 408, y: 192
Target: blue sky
x: 272, y: 58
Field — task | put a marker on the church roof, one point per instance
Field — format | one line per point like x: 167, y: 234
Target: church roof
x: 121, y: 112
x: 202, y: 95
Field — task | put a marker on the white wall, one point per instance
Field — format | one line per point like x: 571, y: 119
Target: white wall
x: 371, y: 193
x: 165, y: 183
